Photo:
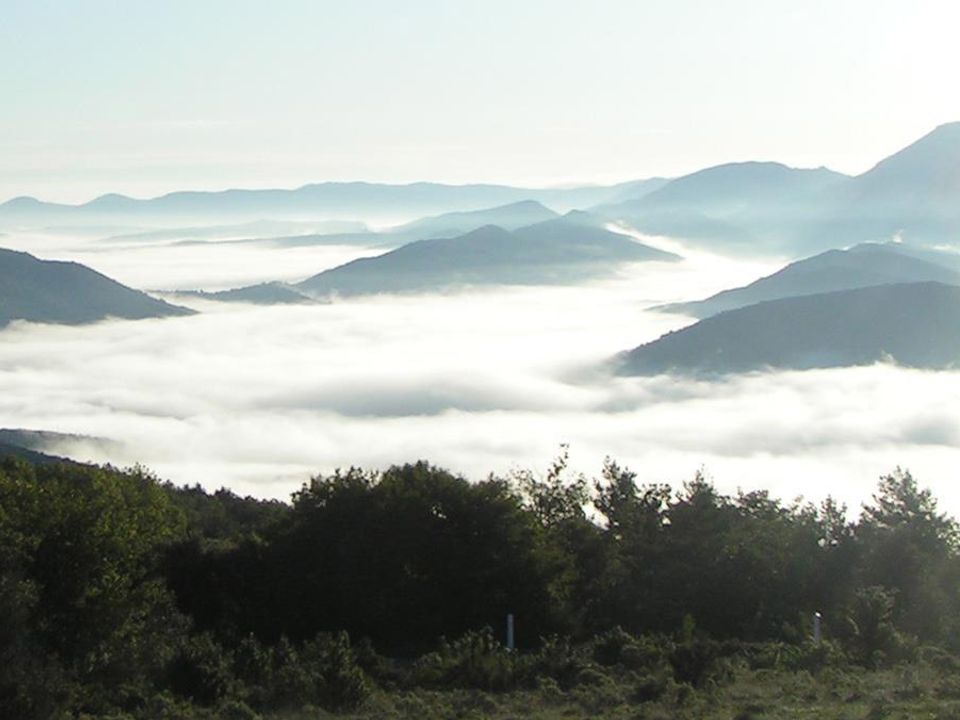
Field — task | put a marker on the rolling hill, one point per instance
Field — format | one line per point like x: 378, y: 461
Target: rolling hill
x: 749, y: 207
x: 915, y: 324
x: 270, y: 293
x: 47, y: 291
x: 860, y: 266
x: 556, y: 251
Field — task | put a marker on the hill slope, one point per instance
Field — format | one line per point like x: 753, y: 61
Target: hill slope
x: 860, y: 266
x: 748, y: 207
x: 914, y: 194
x: 560, y: 250
x: 916, y: 324
x: 269, y: 293
x: 48, y: 291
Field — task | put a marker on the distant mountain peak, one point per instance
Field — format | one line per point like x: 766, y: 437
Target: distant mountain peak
x: 23, y: 201
x: 948, y: 127
x: 488, y: 231
x: 936, y: 152
x: 109, y: 201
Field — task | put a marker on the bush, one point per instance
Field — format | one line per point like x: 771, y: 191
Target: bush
x: 323, y: 672
x: 474, y: 661
x: 617, y: 647
x: 199, y: 671
x: 649, y: 688
x: 343, y: 685
x: 694, y: 661
x: 558, y: 660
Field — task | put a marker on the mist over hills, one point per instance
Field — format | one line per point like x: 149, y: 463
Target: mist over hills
x: 860, y: 266
x: 727, y: 191
x: 48, y: 291
x: 738, y: 208
x: 32, y: 456
x: 445, y: 225
x: 914, y: 324
x: 46, y: 446
x: 256, y: 228
x: 913, y: 195
x: 509, y: 217
x: 269, y: 293
x: 752, y: 207
x: 329, y: 200
x: 744, y: 207
x: 555, y: 251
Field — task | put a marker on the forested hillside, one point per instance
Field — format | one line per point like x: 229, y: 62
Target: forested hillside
x: 122, y: 596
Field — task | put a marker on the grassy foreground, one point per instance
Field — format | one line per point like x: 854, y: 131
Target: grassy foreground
x: 729, y: 688
x: 912, y: 691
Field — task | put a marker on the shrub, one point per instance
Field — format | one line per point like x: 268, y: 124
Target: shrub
x: 476, y: 660
x: 199, y: 671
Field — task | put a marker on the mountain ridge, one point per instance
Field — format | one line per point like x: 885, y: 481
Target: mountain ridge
x: 860, y: 266
x: 557, y: 250
x: 912, y: 324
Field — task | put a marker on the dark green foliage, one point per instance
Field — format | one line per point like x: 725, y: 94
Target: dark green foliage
x: 475, y: 660
x: 199, y: 672
x: 909, y: 548
x: 402, y: 557
x: 223, y: 515
x: 323, y: 672
x: 123, y: 597
x: 84, y: 614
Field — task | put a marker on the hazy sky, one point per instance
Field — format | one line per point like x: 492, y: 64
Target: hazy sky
x: 144, y: 97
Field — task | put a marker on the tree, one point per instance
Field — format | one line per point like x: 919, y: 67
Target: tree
x: 86, y: 542
x: 401, y: 557
x: 909, y: 548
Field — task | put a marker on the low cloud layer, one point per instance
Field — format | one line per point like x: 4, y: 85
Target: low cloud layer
x: 259, y: 398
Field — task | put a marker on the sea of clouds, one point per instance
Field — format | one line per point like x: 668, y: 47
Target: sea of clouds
x: 258, y: 399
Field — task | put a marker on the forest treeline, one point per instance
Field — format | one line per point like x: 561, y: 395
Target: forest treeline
x: 124, y: 596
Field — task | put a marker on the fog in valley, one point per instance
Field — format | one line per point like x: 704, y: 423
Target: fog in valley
x: 259, y: 398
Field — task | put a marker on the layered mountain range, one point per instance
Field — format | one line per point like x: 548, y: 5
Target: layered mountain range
x: 748, y: 207
x: 913, y: 324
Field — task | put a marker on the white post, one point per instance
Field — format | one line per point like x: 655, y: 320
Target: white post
x: 817, y: 633
x: 510, y: 632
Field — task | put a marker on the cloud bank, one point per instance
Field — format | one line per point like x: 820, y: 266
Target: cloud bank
x: 260, y: 398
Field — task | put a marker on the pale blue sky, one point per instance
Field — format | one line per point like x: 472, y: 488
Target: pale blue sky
x: 144, y: 97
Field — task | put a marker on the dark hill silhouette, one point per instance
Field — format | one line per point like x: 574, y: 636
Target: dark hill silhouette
x: 45, y: 446
x: 916, y: 325
x: 8, y: 450
x: 561, y: 250
x: 860, y: 266
x: 49, y: 291
x: 270, y: 293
